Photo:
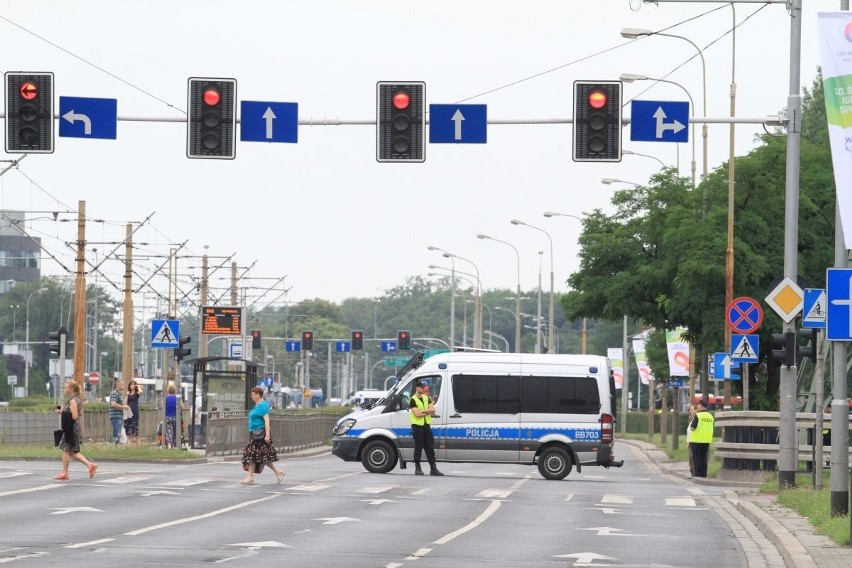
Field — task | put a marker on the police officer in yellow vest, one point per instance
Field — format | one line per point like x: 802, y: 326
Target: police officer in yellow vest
x: 421, y: 411
x: 702, y: 436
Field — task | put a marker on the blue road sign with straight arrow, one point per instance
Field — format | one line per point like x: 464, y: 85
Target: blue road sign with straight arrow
x: 459, y: 124
x: 659, y: 121
x: 269, y: 122
x: 724, y: 368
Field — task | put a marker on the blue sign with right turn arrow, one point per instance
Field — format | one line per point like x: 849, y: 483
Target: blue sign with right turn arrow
x: 659, y: 121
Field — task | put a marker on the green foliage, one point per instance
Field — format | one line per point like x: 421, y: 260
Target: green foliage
x: 813, y: 504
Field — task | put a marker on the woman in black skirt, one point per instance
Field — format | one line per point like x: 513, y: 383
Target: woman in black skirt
x: 259, y: 452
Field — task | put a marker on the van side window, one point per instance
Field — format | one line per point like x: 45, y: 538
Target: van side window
x: 560, y: 395
x: 487, y: 394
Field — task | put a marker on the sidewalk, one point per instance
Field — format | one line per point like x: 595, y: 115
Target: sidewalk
x: 793, y: 535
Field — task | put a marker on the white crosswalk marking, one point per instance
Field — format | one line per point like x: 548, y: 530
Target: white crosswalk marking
x: 126, y: 479
x: 188, y: 482
x: 494, y: 493
x: 680, y: 502
x: 309, y: 487
x: 14, y: 473
x: 613, y: 498
x: 376, y: 490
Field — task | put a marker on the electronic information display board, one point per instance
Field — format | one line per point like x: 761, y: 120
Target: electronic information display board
x: 221, y: 320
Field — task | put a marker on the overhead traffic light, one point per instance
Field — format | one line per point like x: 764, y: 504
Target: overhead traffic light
x: 400, y: 121
x: 597, y: 121
x: 58, y: 342
x: 255, y: 339
x: 307, y: 341
x: 403, y: 340
x: 808, y: 350
x: 357, y: 340
x: 212, y: 118
x: 180, y: 351
x: 29, y: 113
x: 784, y: 348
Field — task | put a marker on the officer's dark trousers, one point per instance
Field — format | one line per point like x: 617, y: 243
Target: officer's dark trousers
x: 423, y: 440
x: 699, y: 455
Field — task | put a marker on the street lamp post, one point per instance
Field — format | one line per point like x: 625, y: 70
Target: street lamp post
x: 551, y: 345
x: 477, y: 313
x: 610, y: 181
x: 452, y: 299
x: 630, y: 77
x: 27, y: 344
x: 633, y: 33
x: 517, y: 293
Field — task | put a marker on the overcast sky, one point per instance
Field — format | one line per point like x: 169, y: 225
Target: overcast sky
x: 323, y: 212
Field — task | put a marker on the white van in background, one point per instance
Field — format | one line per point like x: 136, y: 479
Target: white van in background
x: 555, y: 411
x: 365, y: 398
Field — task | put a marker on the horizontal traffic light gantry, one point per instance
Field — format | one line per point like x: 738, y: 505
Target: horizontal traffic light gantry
x: 597, y: 121
x: 400, y: 121
x: 29, y: 113
x: 212, y: 118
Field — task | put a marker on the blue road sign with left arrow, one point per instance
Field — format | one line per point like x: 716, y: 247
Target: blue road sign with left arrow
x: 459, y: 124
x: 659, y: 121
x: 269, y: 122
x: 88, y: 118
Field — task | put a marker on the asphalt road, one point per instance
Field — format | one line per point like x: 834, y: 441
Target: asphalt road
x: 334, y: 514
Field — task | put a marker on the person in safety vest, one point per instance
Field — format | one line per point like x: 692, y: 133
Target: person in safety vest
x: 702, y: 436
x: 421, y: 411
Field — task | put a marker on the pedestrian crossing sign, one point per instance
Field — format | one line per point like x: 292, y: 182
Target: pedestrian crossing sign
x: 745, y: 348
x: 165, y: 333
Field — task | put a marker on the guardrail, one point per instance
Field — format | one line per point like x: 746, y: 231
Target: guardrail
x: 750, y: 439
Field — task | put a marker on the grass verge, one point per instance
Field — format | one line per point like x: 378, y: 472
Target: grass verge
x: 96, y: 451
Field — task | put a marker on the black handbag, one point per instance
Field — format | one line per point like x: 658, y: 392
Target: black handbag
x: 57, y: 437
x: 258, y: 434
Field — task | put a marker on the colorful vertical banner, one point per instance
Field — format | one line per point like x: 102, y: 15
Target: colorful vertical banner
x: 616, y: 363
x: 678, y: 350
x: 835, y: 33
x: 641, y: 361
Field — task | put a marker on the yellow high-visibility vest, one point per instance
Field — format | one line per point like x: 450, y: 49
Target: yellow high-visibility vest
x: 703, y: 433
x: 422, y: 403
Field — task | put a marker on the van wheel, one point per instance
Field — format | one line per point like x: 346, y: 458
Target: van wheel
x: 554, y: 463
x: 378, y: 456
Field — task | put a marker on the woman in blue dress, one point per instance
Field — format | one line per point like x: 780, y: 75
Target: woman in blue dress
x: 259, y: 452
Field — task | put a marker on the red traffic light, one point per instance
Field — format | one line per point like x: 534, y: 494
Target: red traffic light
x: 357, y: 335
x: 306, y: 335
x: 402, y: 335
x: 597, y: 99
x: 401, y: 100
x: 28, y: 90
x: 211, y: 97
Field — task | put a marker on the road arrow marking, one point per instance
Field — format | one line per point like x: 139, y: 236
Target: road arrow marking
x: 269, y: 116
x: 336, y: 520
x: 66, y: 510
x: 586, y: 558
x: 377, y: 501
x: 458, y: 118
x: 152, y: 493
x: 259, y: 545
x: 662, y: 126
x: 73, y: 117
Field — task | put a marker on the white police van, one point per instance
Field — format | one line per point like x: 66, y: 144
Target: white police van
x: 556, y: 411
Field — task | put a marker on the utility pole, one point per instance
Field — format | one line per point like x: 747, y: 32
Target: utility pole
x: 80, y: 298
x: 127, y: 332
x: 202, y: 347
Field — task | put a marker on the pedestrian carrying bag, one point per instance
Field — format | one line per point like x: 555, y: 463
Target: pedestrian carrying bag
x: 258, y: 434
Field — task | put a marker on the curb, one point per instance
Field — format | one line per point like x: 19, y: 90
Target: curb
x: 795, y: 555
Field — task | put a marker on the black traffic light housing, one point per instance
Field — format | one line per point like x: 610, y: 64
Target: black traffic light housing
x: 400, y: 121
x: 307, y: 341
x: 784, y: 348
x: 403, y: 339
x: 255, y: 339
x: 357, y: 340
x: 58, y: 342
x: 211, y: 122
x: 29, y: 113
x: 180, y: 351
x: 808, y: 350
x: 597, y: 121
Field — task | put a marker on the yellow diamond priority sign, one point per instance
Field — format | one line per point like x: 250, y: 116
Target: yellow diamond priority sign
x: 787, y: 299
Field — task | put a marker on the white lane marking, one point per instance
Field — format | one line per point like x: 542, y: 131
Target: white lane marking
x: 421, y: 491
x: 680, y: 502
x: 494, y: 493
x: 376, y: 489
x: 14, y: 473
x: 619, y: 499
x: 200, y: 517
x: 126, y: 479
x: 31, y: 489
x: 22, y: 556
x: 66, y: 510
x: 419, y: 553
x: 490, y: 510
x: 90, y: 543
x: 336, y: 520
x: 308, y: 487
x: 188, y: 482
x: 377, y: 501
x: 259, y: 545
x: 569, y: 497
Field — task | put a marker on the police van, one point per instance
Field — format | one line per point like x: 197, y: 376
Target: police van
x: 554, y: 411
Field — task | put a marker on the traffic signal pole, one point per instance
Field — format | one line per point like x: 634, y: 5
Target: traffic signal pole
x: 79, y: 300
